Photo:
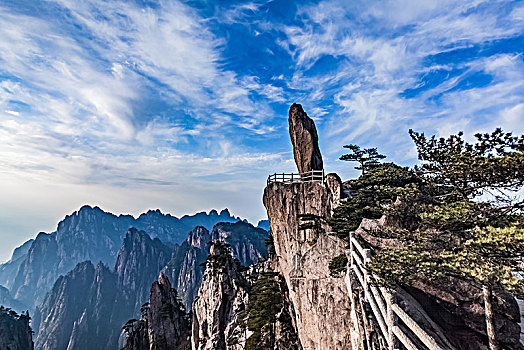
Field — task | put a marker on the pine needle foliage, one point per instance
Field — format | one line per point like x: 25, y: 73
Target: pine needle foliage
x: 458, y: 214
x: 265, y: 302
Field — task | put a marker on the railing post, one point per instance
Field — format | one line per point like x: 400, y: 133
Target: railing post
x: 351, y: 249
x: 392, y: 320
x: 367, y: 258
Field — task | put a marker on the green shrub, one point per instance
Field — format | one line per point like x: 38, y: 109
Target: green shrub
x: 337, y: 265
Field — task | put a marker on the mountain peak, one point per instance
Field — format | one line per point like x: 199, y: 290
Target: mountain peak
x: 198, y: 237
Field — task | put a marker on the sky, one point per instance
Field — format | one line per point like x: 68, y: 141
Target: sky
x: 182, y: 105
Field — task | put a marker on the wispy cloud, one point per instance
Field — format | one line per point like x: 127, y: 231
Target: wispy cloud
x: 383, y: 49
x: 185, y: 105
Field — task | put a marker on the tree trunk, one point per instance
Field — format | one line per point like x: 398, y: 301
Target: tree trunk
x: 488, y: 312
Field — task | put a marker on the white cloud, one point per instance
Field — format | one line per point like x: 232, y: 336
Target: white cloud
x: 386, y: 49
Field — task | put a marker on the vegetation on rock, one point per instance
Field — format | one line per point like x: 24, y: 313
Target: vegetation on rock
x: 375, y: 191
x: 338, y: 265
x: 15, y: 331
x: 368, y: 158
x: 457, y: 215
x: 265, y: 302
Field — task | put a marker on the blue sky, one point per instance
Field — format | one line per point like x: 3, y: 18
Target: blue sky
x: 182, y: 105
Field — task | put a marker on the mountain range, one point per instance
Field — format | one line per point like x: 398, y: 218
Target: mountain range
x: 83, y: 281
x: 88, y: 234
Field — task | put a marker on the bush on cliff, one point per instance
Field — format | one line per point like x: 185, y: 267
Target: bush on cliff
x: 457, y: 215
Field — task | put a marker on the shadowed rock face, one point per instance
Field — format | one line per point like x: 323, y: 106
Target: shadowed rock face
x: 15, y: 332
x: 87, y: 307
x: 165, y: 325
x: 247, y: 245
x: 304, y: 139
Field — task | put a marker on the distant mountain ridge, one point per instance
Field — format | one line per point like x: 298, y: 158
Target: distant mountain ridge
x: 89, y: 234
x: 86, y: 308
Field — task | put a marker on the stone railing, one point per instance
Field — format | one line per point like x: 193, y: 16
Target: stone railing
x: 289, y: 178
x: 385, y: 304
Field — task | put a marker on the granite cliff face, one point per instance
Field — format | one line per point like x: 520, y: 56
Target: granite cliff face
x: 247, y: 244
x: 221, y: 303
x: 87, y: 307
x: 242, y: 307
x: 304, y: 138
x: 9, y: 269
x: 297, y: 214
x: 164, y: 324
x: 54, y: 322
x: 8, y: 301
x: 138, y: 263
x: 184, y: 267
x: 321, y: 302
x: 457, y: 308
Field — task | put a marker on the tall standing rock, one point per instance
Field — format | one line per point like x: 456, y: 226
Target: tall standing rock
x: 164, y: 325
x: 222, y: 299
x: 304, y: 139
x: 302, y: 256
x: 169, y: 325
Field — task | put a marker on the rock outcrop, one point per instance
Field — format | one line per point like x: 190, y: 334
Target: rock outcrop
x: 242, y: 307
x: 8, y: 301
x: 138, y: 263
x: 184, y: 267
x: 15, y: 331
x: 304, y: 139
x: 298, y: 215
x: 165, y: 325
x: 321, y: 301
x: 9, y: 269
x: 270, y: 313
x: 247, y: 244
x: 456, y: 307
x: 87, y: 298
x: 221, y: 304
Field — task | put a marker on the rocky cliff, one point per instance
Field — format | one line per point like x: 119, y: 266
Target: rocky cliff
x: 219, y: 309
x: 247, y: 242
x: 164, y: 325
x: 184, y: 268
x: 15, y: 332
x: 298, y: 214
x: 138, y: 263
x: 87, y: 307
x: 321, y: 301
x: 8, y: 301
x: 242, y: 308
x: 9, y: 269
x: 455, y: 308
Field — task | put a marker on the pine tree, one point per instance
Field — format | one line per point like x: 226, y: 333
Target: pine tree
x: 368, y: 158
x: 459, y: 216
